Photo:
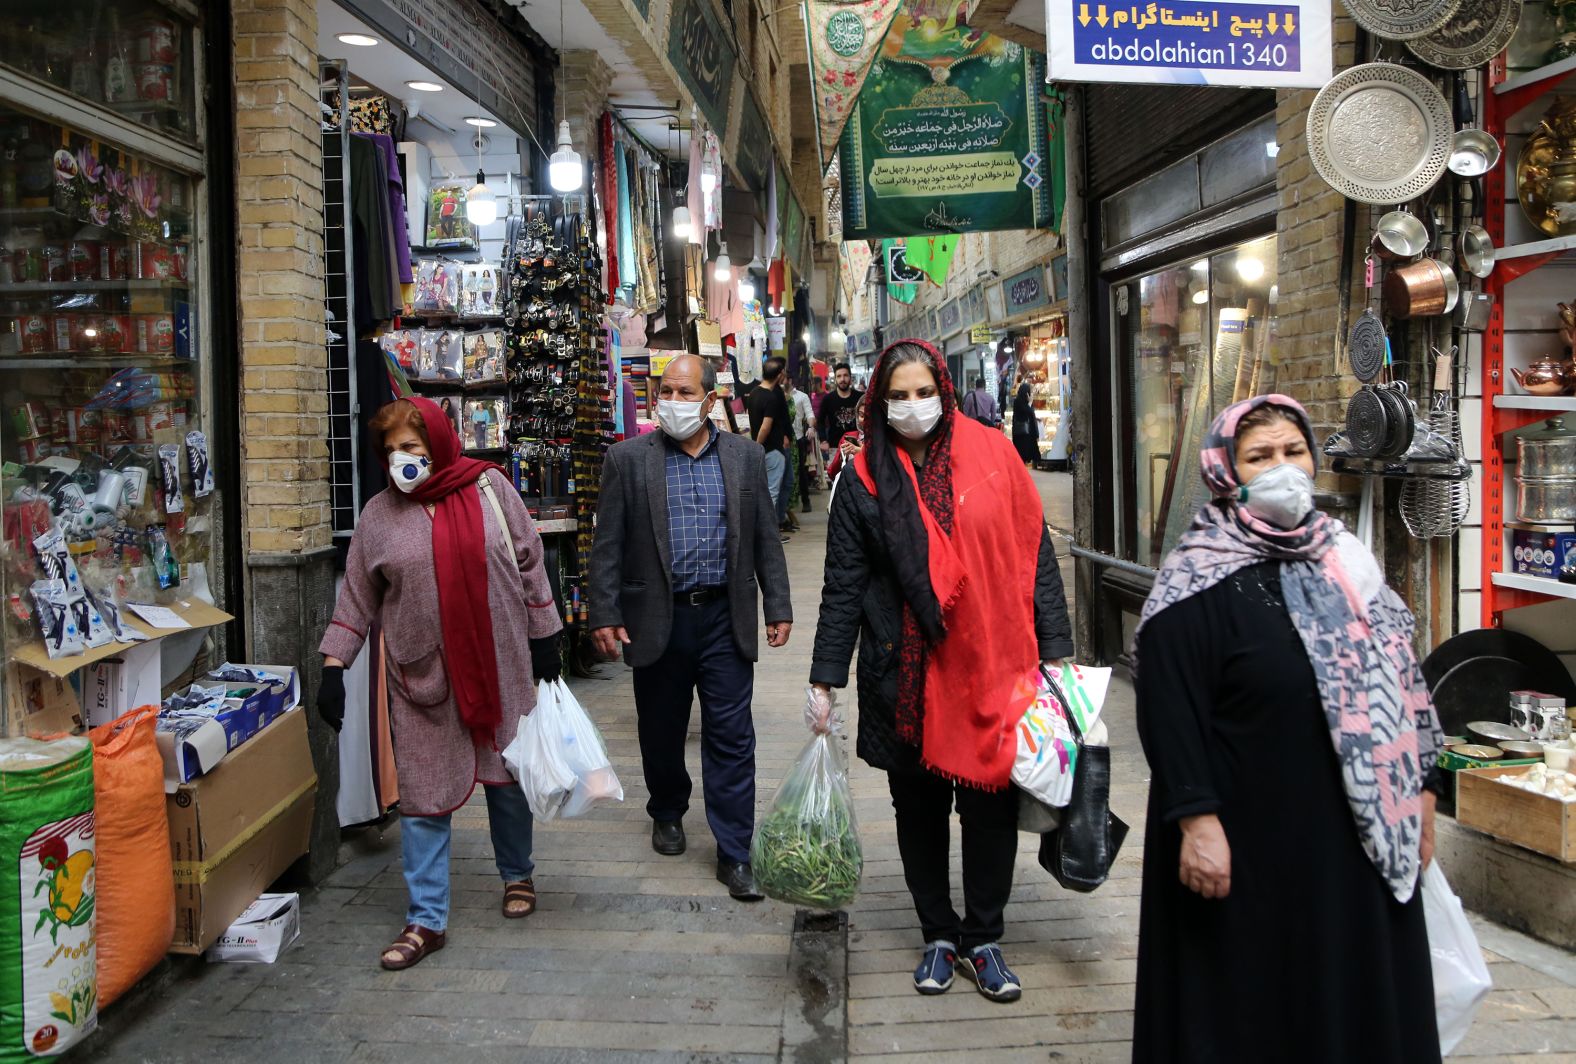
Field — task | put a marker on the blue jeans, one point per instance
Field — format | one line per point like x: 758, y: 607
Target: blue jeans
x: 776, y: 466
x: 424, y: 845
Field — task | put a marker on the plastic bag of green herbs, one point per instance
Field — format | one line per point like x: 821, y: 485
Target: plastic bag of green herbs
x: 806, y: 850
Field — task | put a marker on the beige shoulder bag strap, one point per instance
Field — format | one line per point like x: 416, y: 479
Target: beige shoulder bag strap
x: 503, y: 524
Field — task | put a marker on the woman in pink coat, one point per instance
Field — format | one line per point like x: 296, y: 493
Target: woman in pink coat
x: 448, y: 562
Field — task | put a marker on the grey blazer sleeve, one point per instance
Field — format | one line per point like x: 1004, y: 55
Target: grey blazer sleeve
x: 771, y: 567
x: 607, y: 549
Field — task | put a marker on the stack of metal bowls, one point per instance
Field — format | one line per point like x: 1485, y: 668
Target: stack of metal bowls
x: 1546, y: 475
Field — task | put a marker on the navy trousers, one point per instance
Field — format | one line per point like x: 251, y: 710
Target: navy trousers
x: 701, y: 656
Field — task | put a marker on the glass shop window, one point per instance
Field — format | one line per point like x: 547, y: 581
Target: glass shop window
x: 107, y: 487
x: 133, y: 57
x: 1197, y: 336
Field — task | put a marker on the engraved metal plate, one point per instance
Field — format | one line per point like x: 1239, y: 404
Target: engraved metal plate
x: 1379, y: 133
x: 1479, y: 30
x: 1401, y: 20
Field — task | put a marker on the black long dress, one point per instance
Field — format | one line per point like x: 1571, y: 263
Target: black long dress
x: 1310, y: 958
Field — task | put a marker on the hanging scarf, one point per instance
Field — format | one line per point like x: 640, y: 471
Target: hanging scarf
x: 459, y: 558
x: 1356, y: 630
x: 626, y: 239
x: 967, y: 578
x: 609, y: 217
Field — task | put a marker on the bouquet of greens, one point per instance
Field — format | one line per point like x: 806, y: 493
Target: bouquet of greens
x: 806, y: 850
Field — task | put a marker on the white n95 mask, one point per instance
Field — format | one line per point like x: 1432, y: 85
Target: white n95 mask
x: 407, y: 471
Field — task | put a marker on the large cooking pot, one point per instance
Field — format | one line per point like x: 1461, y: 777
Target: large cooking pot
x: 1548, y: 453
x: 1399, y: 236
x: 1421, y: 290
x: 1546, y: 500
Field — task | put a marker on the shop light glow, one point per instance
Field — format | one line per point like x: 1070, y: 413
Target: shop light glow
x: 722, y: 269
x: 1249, y: 268
x: 359, y: 40
x: 1201, y: 296
x: 746, y: 287
x: 424, y: 86
x: 1271, y: 148
x: 565, y: 171
x: 481, y: 205
x: 1201, y: 266
x: 681, y: 222
x: 838, y: 336
x: 479, y: 122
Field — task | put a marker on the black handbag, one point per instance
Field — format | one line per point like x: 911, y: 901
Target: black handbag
x: 1080, y: 852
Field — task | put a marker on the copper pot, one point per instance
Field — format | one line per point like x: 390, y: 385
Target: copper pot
x: 1420, y: 290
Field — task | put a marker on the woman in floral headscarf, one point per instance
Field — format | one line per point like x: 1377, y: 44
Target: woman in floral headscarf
x: 939, y: 564
x: 1292, y: 744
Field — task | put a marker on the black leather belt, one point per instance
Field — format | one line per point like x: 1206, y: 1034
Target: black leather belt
x: 700, y: 596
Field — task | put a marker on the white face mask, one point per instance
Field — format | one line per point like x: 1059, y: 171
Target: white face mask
x: 1281, y: 495
x: 679, y: 420
x: 408, y: 470
x: 914, y: 418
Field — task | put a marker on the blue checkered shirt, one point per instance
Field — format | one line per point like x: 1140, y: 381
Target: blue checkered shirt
x: 697, y: 517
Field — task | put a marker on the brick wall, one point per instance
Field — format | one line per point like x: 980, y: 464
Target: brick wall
x: 279, y: 191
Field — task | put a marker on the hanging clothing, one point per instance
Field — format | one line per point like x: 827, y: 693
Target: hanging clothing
x: 398, y: 212
x: 610, y: 212
x: 371, y: 237
x: 626, y: 240
x: 711, y: 161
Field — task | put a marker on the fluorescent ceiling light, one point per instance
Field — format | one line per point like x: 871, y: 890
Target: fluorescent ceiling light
x: 360, y: 40
x: 479, y: 122
x: 424, y: 86
x: 1249, y: 268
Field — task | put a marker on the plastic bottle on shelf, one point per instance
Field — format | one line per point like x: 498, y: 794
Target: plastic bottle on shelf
x: 119, y: 86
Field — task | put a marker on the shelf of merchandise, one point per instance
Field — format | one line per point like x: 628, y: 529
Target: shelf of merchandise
x: 1505, y: 413
x: 22, y: 288
x: 87, y: 360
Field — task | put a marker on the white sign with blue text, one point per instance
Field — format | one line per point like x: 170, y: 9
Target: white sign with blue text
x: 1285, y: 45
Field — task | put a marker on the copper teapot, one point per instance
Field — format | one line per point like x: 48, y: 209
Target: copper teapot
x: 1546, y: 376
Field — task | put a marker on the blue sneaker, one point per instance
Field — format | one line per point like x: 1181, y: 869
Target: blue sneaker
x: 934, y: 974
x: 990, y: 973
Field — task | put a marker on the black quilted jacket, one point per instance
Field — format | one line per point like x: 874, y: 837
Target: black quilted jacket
x: 861, y: 601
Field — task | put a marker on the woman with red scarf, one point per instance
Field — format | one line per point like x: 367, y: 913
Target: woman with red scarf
x: 940, y: 565
x: 447, y: 562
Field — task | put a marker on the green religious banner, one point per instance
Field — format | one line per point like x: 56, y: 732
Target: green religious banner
x: 949, y: 134
x: 892, y: 255
x: 932, y: 255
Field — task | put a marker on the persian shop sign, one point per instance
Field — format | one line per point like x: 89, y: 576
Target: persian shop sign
x: 700, y: 51
x: 1285, y: 45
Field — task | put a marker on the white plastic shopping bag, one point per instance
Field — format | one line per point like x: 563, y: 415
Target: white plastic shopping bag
x: 586, y: 755
x: 536, y: 757
x: 1461, y: 979
x: 1047, y: 755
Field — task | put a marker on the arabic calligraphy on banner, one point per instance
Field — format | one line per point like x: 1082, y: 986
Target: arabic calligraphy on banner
x: 699, y: 50
x: 754, y: 153
x: 1258, y: 45
x: 949, y: 134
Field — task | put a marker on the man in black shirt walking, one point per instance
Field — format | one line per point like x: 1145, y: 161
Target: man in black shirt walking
x: 770, y: 422
x: 839, y: 411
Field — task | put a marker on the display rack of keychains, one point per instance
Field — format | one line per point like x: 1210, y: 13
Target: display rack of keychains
x: 560, y: 405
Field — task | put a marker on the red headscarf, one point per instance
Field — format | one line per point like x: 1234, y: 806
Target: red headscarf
x: 459, y: 556
x: 967, y: 576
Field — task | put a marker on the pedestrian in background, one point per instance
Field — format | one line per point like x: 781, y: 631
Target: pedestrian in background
x: 1025, y: 426
x: 447, y: 561
x: 803, y: 444
x: 771, y: 424
x: 685, y: 535
x: 980, y: 405
x: 939, y: 565
x: 839, y: 413
x: 1292, y: 744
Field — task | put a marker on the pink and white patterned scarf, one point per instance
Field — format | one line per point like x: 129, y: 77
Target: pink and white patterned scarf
x: 1356, y: 630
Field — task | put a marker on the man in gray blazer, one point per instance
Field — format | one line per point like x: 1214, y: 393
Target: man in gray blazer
x: 685, y: 535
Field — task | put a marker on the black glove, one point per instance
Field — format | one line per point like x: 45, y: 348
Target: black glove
x: 547, y: 662
x: 331, y: 697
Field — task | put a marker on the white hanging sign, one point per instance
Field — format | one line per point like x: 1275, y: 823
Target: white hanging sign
x: 1187, y: 43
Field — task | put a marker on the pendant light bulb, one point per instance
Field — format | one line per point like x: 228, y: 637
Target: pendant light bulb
x: 481, y: 205
x: 746, y: 288
x: 565, y: 171
x: 722, y: 269
x: 681, y: 222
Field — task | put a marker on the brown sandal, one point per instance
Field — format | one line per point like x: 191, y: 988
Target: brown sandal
x: 414, y: 943
x: 519, y: 899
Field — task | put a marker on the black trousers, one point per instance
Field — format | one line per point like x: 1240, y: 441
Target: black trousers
x: 701, y: 656
x: 922, y: 802
x: 804, y: 473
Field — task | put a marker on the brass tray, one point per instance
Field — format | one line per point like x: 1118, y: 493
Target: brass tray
x: 1379, y: 133
x: 1478, y: 32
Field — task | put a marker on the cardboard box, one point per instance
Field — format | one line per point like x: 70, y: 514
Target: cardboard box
x: 38, y: 703
x: 236, y: 829
x: 1541, y: 553
x: 260, y: 934
x: 115, y: 686
x: 270, y: 702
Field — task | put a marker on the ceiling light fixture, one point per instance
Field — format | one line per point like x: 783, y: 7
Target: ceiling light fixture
x: 479, y: 122
x: 1249, y: 268
x: 681, y: 222
x: 746, y: 287
x: 359, y: 40
x: 565, y: 171
x: 481, y: 204
x: 424, y: 86
x: 722, y: 269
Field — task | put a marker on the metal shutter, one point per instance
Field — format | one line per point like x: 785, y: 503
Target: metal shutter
x: 1132, y: 131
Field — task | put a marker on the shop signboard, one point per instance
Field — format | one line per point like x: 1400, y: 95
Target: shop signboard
x: 699, y: 50
x: 930, y: 324
x: 950, y: 318
x: 975, y: 309
x: 1059, y: 277
x: 1260, y: 45
x: 949, y: 136
x: 980, y: 334
x: 793, y: 229
x: 753, y: 155
x: 995, y: 305
x: 1025, y: 291
x: 777, y: 333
